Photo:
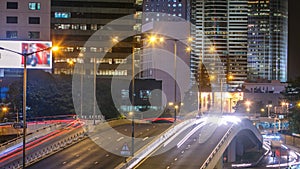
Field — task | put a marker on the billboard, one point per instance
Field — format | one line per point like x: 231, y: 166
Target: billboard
x: 39, y: 60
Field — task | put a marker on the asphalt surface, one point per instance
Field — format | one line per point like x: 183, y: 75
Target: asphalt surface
x: 102, y: 149
x: 38, y: 144
x: 190, y: 155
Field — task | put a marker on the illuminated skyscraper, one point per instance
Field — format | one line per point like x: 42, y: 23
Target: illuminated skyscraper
x: 165, y: 10
x: 220, y: 32
x: 74, y: 22
x: 267, y: 39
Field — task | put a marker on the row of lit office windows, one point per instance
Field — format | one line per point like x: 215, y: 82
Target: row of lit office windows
x: 98, y: 60
x: 100, y: 72
x: 93, y: 27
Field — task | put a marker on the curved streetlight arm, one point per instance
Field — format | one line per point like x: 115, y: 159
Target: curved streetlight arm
x: 1, y: 48
x: 25, y: 54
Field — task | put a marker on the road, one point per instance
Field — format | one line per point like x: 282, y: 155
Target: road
x: 35, y: 145
x: 190, y: 155
x: 89, y: 153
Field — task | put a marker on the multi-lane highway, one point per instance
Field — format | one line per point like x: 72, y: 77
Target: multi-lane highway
x: 189, y: 154
x: 103, y: 149
x: 35, y: 145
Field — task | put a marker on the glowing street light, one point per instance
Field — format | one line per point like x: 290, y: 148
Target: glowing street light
x: 212, y: 49
x: 152, y: 39
x: 248, y: 103
x: 4, y: 109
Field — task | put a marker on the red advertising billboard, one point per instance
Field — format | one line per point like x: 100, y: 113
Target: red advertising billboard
x: 39, y: 60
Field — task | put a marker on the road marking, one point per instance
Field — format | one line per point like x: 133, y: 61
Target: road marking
x: 145, y: 138
x: 119, y: 139
x: 96, y: 138
x: 182, y: 141
x: 145, y: 158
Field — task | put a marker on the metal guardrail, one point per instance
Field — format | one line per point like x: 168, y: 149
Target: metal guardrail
x: 30, y: 136
x: 47, y: 151
x: 151, y: 146
x: 216, y: 149
x: 225, y: 141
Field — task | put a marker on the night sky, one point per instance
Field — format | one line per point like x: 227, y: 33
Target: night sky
x: 294, y: 39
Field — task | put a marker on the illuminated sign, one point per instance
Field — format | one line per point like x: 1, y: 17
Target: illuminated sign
x: 39, y: 60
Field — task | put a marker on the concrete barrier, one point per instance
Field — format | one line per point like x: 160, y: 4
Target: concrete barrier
x: 46, y: 151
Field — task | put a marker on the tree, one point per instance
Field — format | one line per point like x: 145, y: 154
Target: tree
x: 46, y: 94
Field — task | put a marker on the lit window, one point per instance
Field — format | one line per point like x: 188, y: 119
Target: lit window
x: 62, y: 15
x: 34, y: 6
x: 94, y: 27
x: 93, y: 49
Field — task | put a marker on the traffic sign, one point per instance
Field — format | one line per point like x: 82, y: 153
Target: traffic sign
x: 125, y: 150
x: 18, y: 125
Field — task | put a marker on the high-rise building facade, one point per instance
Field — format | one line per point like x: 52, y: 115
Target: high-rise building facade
x: 220, y: 41
x: 165, y: 10
x: 74, y: 22
x: 267, y: 39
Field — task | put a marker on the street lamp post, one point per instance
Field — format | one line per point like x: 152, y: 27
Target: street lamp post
x: 132, y: 132
x: 94, y: 100
x: 153, y: 39
x: 175, y: 77
x: 25, y: 55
